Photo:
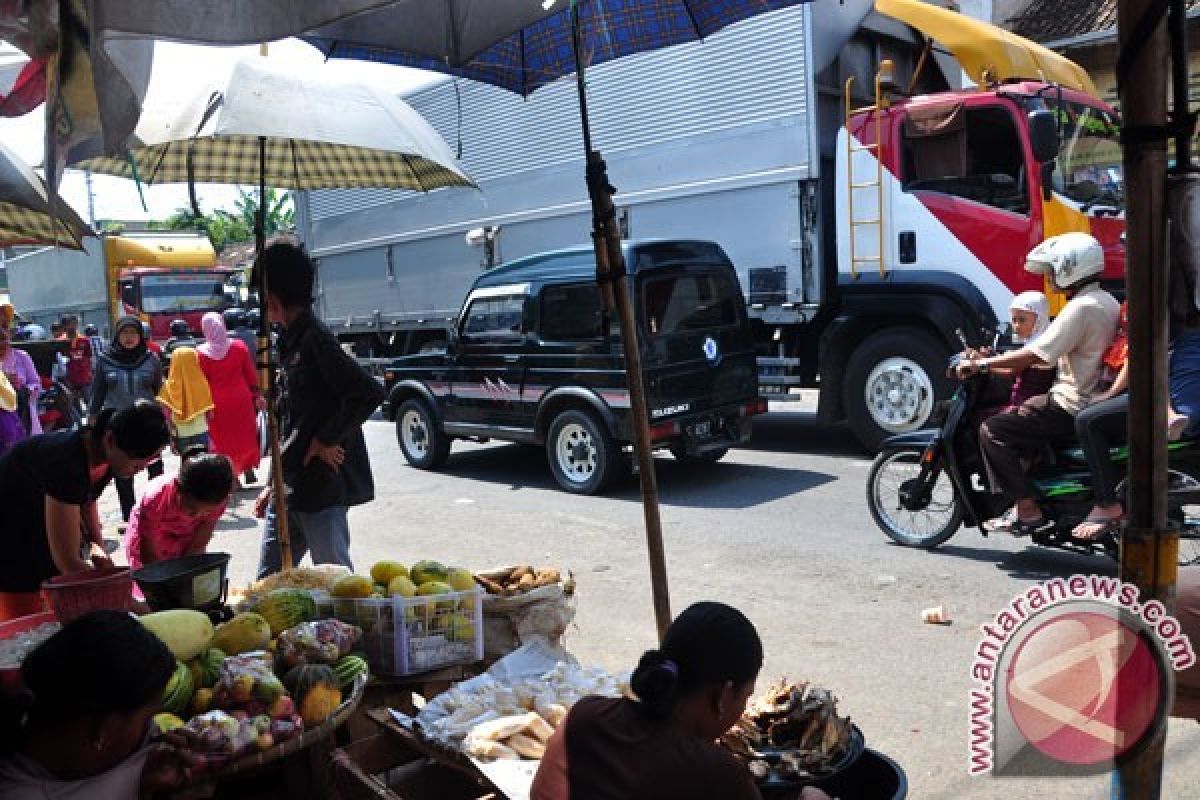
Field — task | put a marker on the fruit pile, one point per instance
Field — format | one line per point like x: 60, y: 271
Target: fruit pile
x: 393, y: 579
x: 257, y: 680
x: 513, y: 581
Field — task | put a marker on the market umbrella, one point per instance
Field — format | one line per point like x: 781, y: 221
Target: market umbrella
x: 96, y: 55
x: 577, y: 35
x: 266, y: 125
x: 32, y: 214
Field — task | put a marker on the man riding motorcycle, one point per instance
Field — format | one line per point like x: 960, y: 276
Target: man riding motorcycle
x: 1075, y: 341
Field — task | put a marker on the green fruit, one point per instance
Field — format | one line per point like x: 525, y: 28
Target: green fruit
x: 384, y: 571
x: 459, y: 628
x: 178, y: 691
x: 436, y: 587
x: 287, y: 608
x: 167, y: 722
x: 349, y: 668
x: 401, y: 586
x: 461, y: 580
x: 245, y: 632
x: 426, y: 571
x: 352, y: 586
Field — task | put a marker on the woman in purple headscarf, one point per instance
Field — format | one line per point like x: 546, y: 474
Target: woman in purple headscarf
x: 229, y: 368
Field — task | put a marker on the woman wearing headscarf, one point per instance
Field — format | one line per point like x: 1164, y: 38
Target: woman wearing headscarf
x: 126, y: 373
x: 186, y: 395
x: 18, y: 366
x: 229, y: 368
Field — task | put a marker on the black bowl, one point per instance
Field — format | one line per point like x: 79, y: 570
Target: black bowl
x: 773, y: 755
x: 196, y: 581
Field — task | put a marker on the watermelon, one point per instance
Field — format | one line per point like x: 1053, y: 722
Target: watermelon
x: 206, y: 668
x: 177, y: 694
x: 347, y: 669
x: 287, y: 608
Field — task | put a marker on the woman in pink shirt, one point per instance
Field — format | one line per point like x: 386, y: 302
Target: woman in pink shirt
x: 176, y: 515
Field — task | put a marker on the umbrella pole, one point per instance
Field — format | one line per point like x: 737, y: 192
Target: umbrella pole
x: 615, y: 288
x: 1148, y: 547
x: 266, y: 375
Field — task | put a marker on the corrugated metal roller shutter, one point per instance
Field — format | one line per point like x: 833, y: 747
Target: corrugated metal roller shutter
x: 751, y: 72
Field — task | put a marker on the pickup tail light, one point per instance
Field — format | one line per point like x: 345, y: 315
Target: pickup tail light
x: 758, y: 406
x: 664, y: 430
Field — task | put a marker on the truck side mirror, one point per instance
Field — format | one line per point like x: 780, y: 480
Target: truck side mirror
x: 1043, y: 135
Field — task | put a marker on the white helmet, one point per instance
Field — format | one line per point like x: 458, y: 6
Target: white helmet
x: 1069, y: 258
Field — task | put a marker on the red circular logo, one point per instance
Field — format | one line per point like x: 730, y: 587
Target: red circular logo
x: 1064, y: 682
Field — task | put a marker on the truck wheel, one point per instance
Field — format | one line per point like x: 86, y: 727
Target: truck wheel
x: 583, y: 456
x: 422, y: 442
x: 893, y: 381
x: 679, y: 453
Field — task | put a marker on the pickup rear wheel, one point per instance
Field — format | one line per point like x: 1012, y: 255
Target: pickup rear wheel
x: 422, y: 442
x: 583, y: 456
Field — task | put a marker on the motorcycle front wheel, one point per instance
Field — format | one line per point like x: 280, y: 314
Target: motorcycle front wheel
x: 927, y: 523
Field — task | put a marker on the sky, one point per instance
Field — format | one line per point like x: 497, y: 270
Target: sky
x: 117, y: 198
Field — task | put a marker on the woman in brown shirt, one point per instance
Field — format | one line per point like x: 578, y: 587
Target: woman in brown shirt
x: 663, y: 745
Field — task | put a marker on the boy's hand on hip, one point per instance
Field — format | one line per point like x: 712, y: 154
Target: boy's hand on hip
x: 331, y: 454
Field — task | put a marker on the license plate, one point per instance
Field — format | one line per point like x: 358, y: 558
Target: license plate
x: 700, y: 430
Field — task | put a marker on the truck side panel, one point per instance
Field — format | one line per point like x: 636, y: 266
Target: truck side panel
x: 46, y: 284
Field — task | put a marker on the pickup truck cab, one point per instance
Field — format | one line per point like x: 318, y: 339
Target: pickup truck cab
x: 534, y: 359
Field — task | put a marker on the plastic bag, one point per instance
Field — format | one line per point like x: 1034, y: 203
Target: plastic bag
x: 321, y: 641
x: 219, y: 734
x: 247, y: 682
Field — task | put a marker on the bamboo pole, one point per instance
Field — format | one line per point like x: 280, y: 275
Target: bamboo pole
x: 1148, y: 548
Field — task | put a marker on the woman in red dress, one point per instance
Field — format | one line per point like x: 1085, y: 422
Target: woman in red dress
x: 229, y: 368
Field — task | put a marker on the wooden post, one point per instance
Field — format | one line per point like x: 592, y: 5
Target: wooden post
x: 1147, y: 546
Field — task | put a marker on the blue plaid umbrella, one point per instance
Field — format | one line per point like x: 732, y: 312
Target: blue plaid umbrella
x: 529, y: 56
x: 522, y: 56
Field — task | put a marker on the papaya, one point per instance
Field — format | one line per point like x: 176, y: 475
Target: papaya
x: 384, y: 571
x: 186, y: 633
x: 245, y: 632
x: 353, y: 586
x: 461, y: 580
x: 426, y: 571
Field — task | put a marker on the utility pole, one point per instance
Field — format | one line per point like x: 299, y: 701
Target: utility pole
x: 1149, y: 550
x: 87, y: 179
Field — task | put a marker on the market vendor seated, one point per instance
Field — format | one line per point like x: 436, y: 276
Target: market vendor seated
x: 663, y: 745
x: 48, y: 490
x: 78, y: 728
x: 177, y: 514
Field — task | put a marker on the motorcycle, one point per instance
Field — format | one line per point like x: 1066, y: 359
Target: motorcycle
x: 924, y: 485
x: 58, y: 407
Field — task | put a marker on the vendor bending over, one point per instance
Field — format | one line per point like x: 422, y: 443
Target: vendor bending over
x: 663, y: 745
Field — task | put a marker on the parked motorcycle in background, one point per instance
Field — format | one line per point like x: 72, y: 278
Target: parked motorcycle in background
x: 924, y: 485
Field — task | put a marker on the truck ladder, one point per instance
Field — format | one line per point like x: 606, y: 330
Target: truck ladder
x: 853, y: 186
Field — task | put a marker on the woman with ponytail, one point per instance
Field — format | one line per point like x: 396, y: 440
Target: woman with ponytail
x: 663, y: 744
x: 48, y: 490
x: 77, y: 729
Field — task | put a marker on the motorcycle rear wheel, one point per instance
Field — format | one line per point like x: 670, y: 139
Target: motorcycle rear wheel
x: 927, y: 527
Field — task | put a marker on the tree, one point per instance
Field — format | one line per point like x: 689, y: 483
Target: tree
x: 227, y: 226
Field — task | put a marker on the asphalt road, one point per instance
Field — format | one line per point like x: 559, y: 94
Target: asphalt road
x: 780, y: 530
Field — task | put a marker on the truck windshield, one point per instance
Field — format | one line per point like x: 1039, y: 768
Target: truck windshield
x: 1089, y: 163
x: 162, y: 293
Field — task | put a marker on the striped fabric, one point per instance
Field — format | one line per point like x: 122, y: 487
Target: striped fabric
x: 27, y: 226
x: 542, y: 52
x: 290, y: 164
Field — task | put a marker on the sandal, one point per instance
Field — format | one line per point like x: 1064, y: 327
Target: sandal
x: 1100, y: 527
x: 1024, y: 527
x: 1002, y: 523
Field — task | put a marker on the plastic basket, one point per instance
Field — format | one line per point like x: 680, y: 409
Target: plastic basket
x: 72, y: 596
x: 10, y: 677
x: 196, y: 582
x: 408, y: 635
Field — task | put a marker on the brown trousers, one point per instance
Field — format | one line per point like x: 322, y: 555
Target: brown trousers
x: 1006, y: 438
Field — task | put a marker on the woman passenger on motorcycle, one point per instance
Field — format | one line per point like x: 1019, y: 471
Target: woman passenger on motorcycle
x: 1105, y: 423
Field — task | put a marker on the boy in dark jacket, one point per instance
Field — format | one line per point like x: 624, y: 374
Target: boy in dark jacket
x: 326, y: 397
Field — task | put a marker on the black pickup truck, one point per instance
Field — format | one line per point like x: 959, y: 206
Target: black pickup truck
x: 535, y: 359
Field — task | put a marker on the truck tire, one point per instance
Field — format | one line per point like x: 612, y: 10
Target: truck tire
x: 583, y: 456
x: 893, y: 382
x: 422, y: 442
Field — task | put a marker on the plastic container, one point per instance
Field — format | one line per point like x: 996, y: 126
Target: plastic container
x: 408, y: 635
x: 197, y: 582
x: 873, y: 776
x: 72, y: 596
x: 10, y: 677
